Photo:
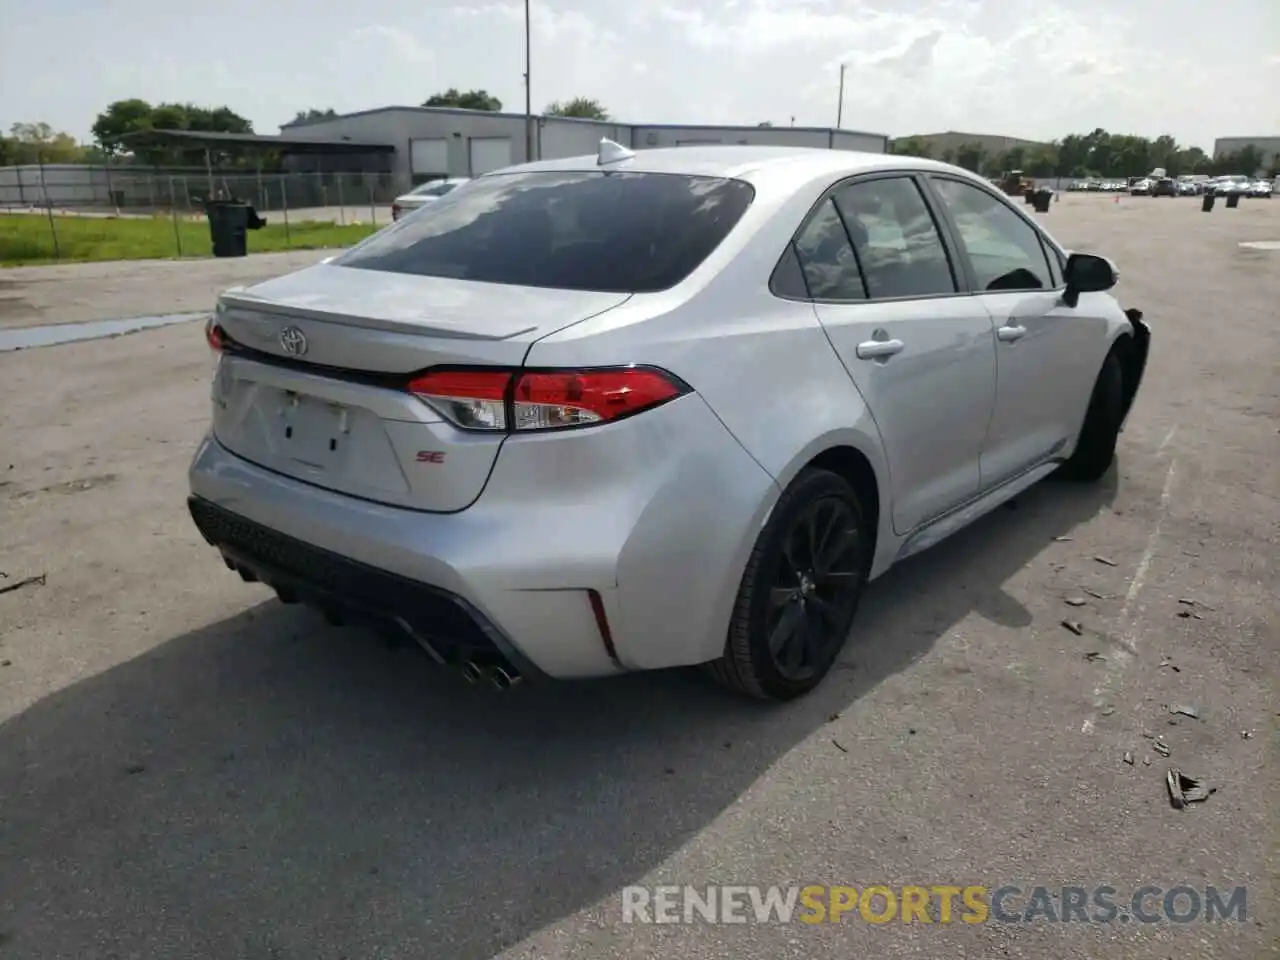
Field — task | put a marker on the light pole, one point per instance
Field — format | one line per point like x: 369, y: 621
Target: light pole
x: 840, y: 99
x: 528, y: 87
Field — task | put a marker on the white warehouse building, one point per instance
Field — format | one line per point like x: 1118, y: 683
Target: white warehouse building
x: 434, y: 142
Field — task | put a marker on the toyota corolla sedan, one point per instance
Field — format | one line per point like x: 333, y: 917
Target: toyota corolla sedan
x: 634, y: 411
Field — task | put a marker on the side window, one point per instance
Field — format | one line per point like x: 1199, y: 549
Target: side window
x: 788, y: 280
x: 895, y: 239
x: 1004, y: 249
x: 829, y: 265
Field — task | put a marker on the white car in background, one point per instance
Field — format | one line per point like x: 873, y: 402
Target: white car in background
x: 1234, y: 183
x: 1261, y: 188
x: 428, y: 192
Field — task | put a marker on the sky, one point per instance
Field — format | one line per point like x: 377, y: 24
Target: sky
x: 1037, y: 70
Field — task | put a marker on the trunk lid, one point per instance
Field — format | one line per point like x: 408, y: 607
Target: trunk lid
x: 319, y: 392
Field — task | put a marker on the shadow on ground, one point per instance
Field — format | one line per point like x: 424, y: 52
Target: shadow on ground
x: 271, y: 787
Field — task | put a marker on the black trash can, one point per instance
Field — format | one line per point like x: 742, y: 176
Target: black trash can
x: 1233, y: 201
x: 1042, y: 200
x: 228, y: 227
x: 1206, y: 202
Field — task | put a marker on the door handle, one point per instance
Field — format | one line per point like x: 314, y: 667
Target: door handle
x: 1011, y: 332
x: 879, y: 349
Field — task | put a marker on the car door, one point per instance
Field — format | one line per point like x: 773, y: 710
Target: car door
x: 920, y: 351
x: 1046, y: 353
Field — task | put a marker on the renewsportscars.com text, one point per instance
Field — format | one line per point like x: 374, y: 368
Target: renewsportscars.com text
x: 935, y: 903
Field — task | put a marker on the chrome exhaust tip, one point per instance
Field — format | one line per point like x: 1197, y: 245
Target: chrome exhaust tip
x: 472, y: 672
x: 503, y: 679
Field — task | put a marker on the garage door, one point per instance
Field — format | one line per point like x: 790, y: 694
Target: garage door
x: 429, y: 156
x: 489, y: 153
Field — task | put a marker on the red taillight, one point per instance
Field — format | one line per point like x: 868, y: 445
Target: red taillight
x: 473, y: 399
x: 575, y: 398
x: 213, y: 334
x: 542, y: 400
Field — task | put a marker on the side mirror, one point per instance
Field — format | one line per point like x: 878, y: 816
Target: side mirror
x: 1086, y: 273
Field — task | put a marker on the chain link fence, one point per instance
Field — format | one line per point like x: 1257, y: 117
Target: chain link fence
x: 44, y: 205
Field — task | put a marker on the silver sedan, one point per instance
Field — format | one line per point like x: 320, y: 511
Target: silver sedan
x: 642, y: 410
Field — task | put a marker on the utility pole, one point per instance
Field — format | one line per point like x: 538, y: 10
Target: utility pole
x: 528, y: 87
x: 840, y: 100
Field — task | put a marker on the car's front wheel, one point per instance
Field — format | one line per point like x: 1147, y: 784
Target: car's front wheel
x: 1096, y: 447
x: 800, y: 591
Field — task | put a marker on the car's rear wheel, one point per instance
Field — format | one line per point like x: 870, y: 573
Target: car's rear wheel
x: 1097, y: 445
x: 799, y: 592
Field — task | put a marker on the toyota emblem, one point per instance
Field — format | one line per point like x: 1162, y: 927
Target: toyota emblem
x: 293, y: 341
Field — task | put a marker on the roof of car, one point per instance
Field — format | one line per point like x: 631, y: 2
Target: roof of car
x: 738, y: 161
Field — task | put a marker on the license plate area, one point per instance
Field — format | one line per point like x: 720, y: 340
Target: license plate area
x: 313, y: 432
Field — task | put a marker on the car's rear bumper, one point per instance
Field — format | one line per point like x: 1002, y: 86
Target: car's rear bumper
x: 576, y: 561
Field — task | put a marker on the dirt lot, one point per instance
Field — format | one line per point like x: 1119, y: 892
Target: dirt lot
x: 188, y: 768
x: 76, y: 292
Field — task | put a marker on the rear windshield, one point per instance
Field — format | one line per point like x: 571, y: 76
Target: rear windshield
x: 616, y: 232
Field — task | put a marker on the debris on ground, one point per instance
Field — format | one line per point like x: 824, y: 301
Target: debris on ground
x: 834, y: 717
x: 1171, y: 665
x: 1184, y: 789
x: 1075, y: 601
x: 1146, y: 761
x: 25, y: 582
x: 1063, y: 539
x: 1094, y: 656
x: 1192, y: 602
x: 1107, y: 711
x: 1185, y: 710
x: 1128, y: 757
x: 1074, y: 626
x: 6, y: 663
x: 1160, y: 747
x: 1189, y: 615
x: 840, y: 747
x: 1097, y: 595
x: 1246, y: 734
x: 1106, y: 561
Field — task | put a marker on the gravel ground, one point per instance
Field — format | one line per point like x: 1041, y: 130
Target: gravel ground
x: 188, y: 768
x: 76, y: 292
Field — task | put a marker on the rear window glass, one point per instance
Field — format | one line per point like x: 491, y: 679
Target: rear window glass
x: 615, y: 232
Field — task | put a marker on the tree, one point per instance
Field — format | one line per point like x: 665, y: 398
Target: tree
x: 29, y: 143
x: 311, y: 113
x: 583, y: 108
x: 120, y: 117
x: 135, y: 115
x: 969, y: 156
x: 1015, y: 158
x: 470, y: 100
x: 912, y: 147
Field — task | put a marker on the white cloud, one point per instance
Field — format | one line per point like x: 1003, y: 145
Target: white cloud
x: 1036, y: 68
x: 400, y: 42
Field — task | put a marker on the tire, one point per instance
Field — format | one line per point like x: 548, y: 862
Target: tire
x: 1097, y: 445
x: 788, y: 591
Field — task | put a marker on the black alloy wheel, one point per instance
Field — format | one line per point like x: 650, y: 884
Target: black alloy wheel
x: 799, y: 592
x: 815, y: 589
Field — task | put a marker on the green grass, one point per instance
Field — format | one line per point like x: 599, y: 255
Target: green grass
x: 27, y: 239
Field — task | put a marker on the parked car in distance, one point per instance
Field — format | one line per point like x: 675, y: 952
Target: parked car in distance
x: 1261, y: 188
x: 1187, y: 188
x: 1232, y: 183
x: 1140, y: 188
x: 1164, y: 187
x: 425, y: 193
x: 649, y: 409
